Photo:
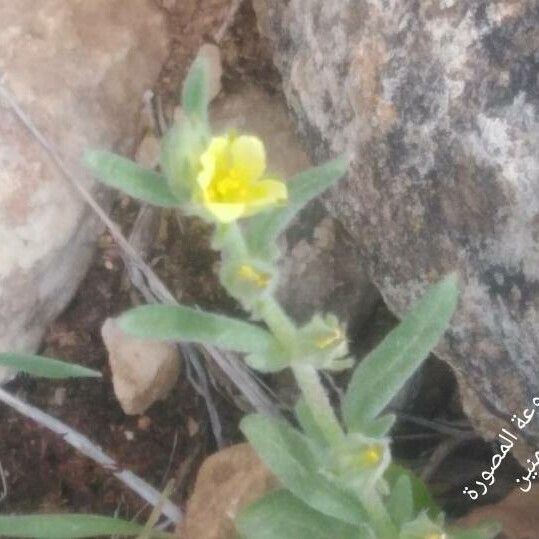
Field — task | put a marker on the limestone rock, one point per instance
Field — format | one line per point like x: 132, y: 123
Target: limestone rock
x: 436, y: 104
x: 79, y: 69
x: 322, y: 270
x: 226, y: 483
x: 143, y: 371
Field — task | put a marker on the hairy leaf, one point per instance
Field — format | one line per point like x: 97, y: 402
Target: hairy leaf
x: 68, y: 526
x: 289, y: 456
x: 380, y: 376
x: 45, y: 367
x: 280, y: 515
x: 125, y: 175
x: 264, y: 228
x: 181, y: 323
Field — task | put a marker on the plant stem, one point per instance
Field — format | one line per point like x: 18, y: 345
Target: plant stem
x: 277, y: 321
x: 318, y: 402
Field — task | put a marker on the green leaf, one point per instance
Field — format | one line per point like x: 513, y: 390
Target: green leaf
x: 422, y: 500
x: 379, y: 427
x: 280, y: 515
x: 181, y: 148
x: 67, y: 526
x: 181, y: 323
x: 380, y: 376
x: 264, y: 228
x: 45, y: 367
x: 125, y: 175
x: 195, y: 95
x: 485, y: 530
x: 290, y: 457
x: 401, y: 501
x: 308, y: 424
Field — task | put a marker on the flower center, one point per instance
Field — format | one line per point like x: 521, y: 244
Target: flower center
x: 229, y: 186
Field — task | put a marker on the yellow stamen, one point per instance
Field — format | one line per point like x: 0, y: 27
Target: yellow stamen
x: 372, y: 456
x: 248, y: 273
x: 335, y: 336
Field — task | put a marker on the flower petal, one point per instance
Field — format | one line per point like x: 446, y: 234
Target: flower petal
x: 212, y: 160
x: 226, y: 212
x: 248, y: 157
x: 267, y: 192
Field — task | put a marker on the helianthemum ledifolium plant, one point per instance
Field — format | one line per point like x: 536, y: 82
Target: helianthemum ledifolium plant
x: 338, y: 480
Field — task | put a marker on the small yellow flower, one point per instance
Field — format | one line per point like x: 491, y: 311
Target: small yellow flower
x: 436, y: 535
x: 259, y: 278
x: 334, y: 337
x: 371, y: 455
x: 231, y: 178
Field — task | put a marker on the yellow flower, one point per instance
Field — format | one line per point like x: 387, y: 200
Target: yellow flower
x: 336, y: 336
x: 248, y: 273
x: 231, y: 178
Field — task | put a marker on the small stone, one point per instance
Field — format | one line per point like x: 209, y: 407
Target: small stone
x: 129, y: 435
x: 148, y: 152
x: 144, y: 423
x: 227, y: 482
x: 192, y: 427
x: 59, y: 396
x: 143, y: 371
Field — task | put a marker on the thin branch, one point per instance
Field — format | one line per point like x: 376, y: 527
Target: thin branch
x: 3, y: 495
x: 85, y: 446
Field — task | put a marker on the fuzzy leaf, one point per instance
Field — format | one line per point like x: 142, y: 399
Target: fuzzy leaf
x: 121, y: 173
x: 181, y: 323
x: 485, y: 530
x: 308, y: 424
x: 45, y: 367
x: 422, y: 500
x: 125, y: 175
x: 289, y: 456
x: 264, y: 228
x: 280, y: 515
x: 380, y: 376
x: 67, y: 526
x: 195, y: 95
x: 401, y: 501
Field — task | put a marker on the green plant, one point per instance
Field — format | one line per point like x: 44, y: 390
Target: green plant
x: 338, y: 479
x: 337, y: 476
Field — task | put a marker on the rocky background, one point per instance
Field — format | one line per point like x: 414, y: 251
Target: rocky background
x: 436, y: 105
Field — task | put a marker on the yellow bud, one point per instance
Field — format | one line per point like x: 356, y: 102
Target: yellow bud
x: 335, y: 336
x: 436, y: 535
x: 372, y: 455
x: 248, y: 273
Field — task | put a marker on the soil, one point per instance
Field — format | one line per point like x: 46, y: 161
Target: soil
x: 169, y: 442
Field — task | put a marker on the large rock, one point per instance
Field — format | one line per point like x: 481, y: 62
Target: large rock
x: 436, y: 103
x: 79, y: 69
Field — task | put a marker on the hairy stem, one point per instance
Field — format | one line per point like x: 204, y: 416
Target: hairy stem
x: 317, y: 400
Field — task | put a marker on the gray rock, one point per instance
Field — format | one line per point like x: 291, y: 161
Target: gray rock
x: 436, y: 104
x: 80, y: 70
x: 320, y: 272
